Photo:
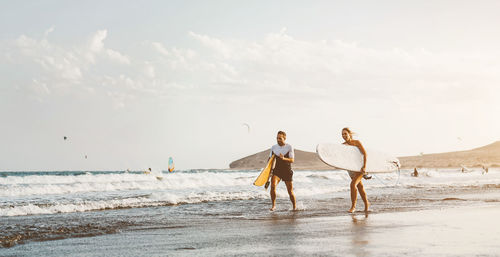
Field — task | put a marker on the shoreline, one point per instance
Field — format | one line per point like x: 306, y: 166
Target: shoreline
x: 227, y: 219
x: 451, y: 231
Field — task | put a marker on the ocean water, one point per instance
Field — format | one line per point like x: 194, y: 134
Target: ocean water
x: 40, y: 206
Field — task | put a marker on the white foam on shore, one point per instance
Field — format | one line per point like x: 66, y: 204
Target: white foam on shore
x: 61, y: 185
x: 31, y: 195
x: 156, y: 199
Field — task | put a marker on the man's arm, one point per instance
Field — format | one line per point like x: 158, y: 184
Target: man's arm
x: 290, y: 160
x: 291, y: 154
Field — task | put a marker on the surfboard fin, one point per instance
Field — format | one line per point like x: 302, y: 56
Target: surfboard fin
x: 267, y: 185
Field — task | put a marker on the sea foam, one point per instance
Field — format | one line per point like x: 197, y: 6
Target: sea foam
x: 48, y: 194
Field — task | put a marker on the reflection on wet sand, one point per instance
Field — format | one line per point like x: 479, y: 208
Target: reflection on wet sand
x: 360, y: 235
x: 283, y: 232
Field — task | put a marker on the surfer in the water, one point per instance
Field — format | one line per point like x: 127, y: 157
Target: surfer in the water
x: 356, y: 183
x: 283, y: 169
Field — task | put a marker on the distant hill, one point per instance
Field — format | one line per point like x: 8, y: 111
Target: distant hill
x: 488, y: 156
x: 303, y: 161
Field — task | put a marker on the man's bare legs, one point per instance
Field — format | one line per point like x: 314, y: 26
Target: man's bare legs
x: 289, y: 187
x: 356, y: 185
x: 274, y: 181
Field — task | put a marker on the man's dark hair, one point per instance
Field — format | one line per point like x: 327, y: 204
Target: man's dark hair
x: 282, y: 133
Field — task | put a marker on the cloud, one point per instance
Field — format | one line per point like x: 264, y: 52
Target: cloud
x: 160, y: 48
x: 64, y: 67
x: 327, y: 83
x: 52, y: 67
x: 40, y: 87
x: 59, y: 66
x: 149, y: 70
x: 324, y: 69
x: 117, y: 56
x: 223, y: 48
x: 48, y: 31
x: 97, y: 41
x: 96, y: 47
x: 276, y: 66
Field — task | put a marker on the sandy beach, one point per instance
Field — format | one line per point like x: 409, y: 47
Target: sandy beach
x: 150, y: 128
x: 462, y: 231
x: 442, y: 213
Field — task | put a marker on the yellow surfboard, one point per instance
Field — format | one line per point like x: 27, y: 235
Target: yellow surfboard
x: 264, y: 174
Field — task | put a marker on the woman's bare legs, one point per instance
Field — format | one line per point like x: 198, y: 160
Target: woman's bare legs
x: 362, y: 192
x: 354, y: 191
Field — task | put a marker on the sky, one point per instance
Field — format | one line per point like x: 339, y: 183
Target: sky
x: 130, y: 84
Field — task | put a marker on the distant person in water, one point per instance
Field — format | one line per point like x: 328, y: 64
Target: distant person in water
x: 415, y: 172
x: 356, y: 183
x: 283, y: 169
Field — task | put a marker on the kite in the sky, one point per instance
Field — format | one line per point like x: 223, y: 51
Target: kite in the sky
x: 248, y: 126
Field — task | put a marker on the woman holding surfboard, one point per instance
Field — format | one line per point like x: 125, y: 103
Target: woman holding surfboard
x: 356, y: 183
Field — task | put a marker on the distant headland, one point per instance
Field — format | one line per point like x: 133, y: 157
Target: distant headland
x: 486, y: 156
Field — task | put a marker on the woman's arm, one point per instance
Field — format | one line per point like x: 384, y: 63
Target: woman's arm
x: 363, y: 152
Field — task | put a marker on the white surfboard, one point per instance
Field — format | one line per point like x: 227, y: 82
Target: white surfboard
x: 348, y: 157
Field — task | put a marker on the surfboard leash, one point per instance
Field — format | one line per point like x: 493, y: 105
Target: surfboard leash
x: 270, y: 176
x: 399, y: 176
x: 269, y: 179
x: 399, y: 172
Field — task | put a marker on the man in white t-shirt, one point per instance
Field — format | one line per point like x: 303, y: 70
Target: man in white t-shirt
x: 283, y: 169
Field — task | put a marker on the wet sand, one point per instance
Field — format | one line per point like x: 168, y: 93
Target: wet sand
x: 445, y: 213
x: 460, y: 231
